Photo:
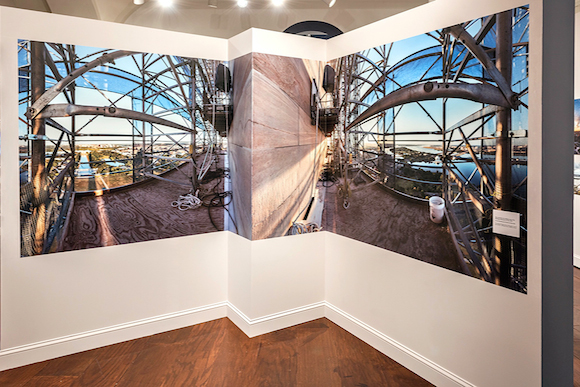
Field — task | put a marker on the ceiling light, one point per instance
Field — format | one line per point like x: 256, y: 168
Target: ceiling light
x: 329, y: 2
x: 138, y: 2
x: 165, y: 3
x: 242, y: 3
x: 277, y: 3
x: 212, y: 3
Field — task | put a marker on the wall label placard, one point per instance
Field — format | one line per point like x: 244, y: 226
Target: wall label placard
x: 506, y: 223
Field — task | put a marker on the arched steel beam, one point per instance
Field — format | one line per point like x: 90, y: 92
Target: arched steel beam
x: 374, y: 86
x: 68, y: 110
x: 371, y: 62
x: 479, y: 53
x: 51, y: 93
x: 406, y: 61
x: 387, y: 74
x: 487, y: 94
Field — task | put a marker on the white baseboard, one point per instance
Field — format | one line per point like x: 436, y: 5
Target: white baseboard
x: 49, y: 349
x: 259, y: 326
x: 62, y: 346
x: 410, y: 359
x: 577, y: 261
x: 417, y: 363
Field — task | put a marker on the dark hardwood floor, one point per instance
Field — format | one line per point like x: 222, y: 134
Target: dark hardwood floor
x: 217, y: 353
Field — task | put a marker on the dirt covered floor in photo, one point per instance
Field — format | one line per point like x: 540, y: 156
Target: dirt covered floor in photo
x: 382, y: 219
x: 142, y: 212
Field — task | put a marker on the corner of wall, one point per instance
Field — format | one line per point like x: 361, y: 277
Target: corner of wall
x: 240, y: 45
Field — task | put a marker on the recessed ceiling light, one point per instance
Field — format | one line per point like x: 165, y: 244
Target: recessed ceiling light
x: 277, y: 3
x: 329, y: 2
x: 165, y: 3
x: 242, y: 3
x: 138, y: 2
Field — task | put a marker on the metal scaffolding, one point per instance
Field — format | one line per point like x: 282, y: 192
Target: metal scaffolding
x: 74, y: 102
x: 448, y: 119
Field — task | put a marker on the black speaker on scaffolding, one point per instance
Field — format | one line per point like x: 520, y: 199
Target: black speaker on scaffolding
x: 223, y: 78
x: 328, y: 79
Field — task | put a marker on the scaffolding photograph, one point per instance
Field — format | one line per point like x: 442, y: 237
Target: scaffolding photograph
x: 119, y: 147
x: 427, y: 140
x: 417, y: 146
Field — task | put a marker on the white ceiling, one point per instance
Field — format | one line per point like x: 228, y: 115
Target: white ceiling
x: 194, y: 16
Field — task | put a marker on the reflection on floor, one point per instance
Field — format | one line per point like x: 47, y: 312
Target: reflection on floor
x: 140, y: 213
x: 217, y: 353
x: 382, y: 219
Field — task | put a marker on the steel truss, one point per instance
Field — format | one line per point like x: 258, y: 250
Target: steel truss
x: 160, y: 97
x: 479, y: 161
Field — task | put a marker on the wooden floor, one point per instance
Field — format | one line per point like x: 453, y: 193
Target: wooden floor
x: 217, y: 353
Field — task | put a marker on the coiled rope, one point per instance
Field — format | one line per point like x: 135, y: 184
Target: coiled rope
x: 187, y: 202
x: 304, y: 228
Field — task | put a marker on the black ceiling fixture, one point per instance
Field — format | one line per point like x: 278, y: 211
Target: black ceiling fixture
x: 315, y: 29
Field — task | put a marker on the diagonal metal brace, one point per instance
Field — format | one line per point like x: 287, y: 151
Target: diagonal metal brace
x: 459, y: 33
x: 486, y: 27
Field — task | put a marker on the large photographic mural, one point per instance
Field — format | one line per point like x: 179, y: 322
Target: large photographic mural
x: 417, y: 146
x: 119, y: 147
x: 430, y: 158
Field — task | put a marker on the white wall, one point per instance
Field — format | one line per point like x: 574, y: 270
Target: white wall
x: 54, y: 296
x: 276, y: 283
x: 51, y: 296
x: 426, y: 18
x: 287, y: 273
x: 449, y: 328
x: 465, y: 326
x: 485, y: 334
x: 275, y: 43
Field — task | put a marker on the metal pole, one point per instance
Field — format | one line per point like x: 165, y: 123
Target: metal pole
x: 503, y: 168
x: 445, y: 190
x: 394, y: 146
x: 39, y: 181
x: 193, y: 107
x: 72, y: 88
x: 385, y: 56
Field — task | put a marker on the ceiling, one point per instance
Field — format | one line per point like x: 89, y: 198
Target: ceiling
x: 194, y: 16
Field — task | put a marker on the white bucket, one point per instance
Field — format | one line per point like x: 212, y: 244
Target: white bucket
x: 436, y: 209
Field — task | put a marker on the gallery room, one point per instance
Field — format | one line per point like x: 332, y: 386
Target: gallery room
x: 288, y: 193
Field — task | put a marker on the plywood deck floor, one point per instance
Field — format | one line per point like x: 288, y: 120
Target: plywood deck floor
x: 139, y: 213
x: 384, y: 220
